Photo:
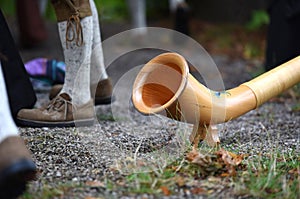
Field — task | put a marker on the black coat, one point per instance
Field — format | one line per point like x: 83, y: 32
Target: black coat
x: 19, y: 88
x: 283, y: 40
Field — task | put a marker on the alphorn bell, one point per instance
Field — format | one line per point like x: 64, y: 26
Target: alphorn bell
x: 165, y: 86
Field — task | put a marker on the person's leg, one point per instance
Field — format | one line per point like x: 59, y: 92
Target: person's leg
x: 78, y: 60
x: 7, y: 125
x: 18, y: 86
x: 43, y: 6
x: 31, y: 25
x: 277, y: 49
x: 98, y: 71
x: 74, y: 104
x: 75, y: 26
x: 173, y: 4
x: 101, y: 85
x: 180, y: 10
x: 137, y: 9
x: 16, y: 165
x: 283, y: 45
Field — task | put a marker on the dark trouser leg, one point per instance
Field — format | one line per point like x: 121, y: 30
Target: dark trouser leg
x: 31, y: 26
x: 19, y: 89
x: 283, y: 41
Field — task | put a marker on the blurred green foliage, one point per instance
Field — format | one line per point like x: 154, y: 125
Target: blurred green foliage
x: 111, y: 10
x: 108, y: 10
x: 157, y: 9
x: 7, y: 7
x: 259, y: 19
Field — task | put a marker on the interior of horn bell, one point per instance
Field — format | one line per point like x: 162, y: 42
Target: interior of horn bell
x: 161, y: 83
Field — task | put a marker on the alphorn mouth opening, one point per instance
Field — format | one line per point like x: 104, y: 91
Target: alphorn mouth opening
x: 159, y: 83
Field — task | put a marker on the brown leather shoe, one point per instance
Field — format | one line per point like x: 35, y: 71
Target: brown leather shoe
x: 60, y: 112
x: 103, y: 92
x: 16, y: 167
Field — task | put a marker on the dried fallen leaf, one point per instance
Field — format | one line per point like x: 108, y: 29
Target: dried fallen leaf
x: 221, y: 161
x: 225, y: 174
x: 294, y: 171
x: 166, y: 191
x: 180, y: 181
x: 230, y: 158
x: 198, y: 158
x: 190, y: 156
x: 197, y: 190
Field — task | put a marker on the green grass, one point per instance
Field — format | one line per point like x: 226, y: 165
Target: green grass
x: 48, y: 192
x: 272, y: 175
x: 106, y: 117
x: 296, y: 90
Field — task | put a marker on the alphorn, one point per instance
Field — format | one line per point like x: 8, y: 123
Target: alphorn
x: 165, y: 86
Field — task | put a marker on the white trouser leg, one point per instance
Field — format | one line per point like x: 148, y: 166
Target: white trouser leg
x: 7, y: 125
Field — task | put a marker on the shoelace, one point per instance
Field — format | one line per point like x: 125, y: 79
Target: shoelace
x: 58, y: 102
x: 74, y: 25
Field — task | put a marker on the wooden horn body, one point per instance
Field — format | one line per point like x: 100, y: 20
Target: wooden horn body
x: 165, y: 86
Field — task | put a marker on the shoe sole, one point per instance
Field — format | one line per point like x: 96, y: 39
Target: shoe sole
x: 61, y: 124
x: 13, y: 180
x: 104, y: 100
